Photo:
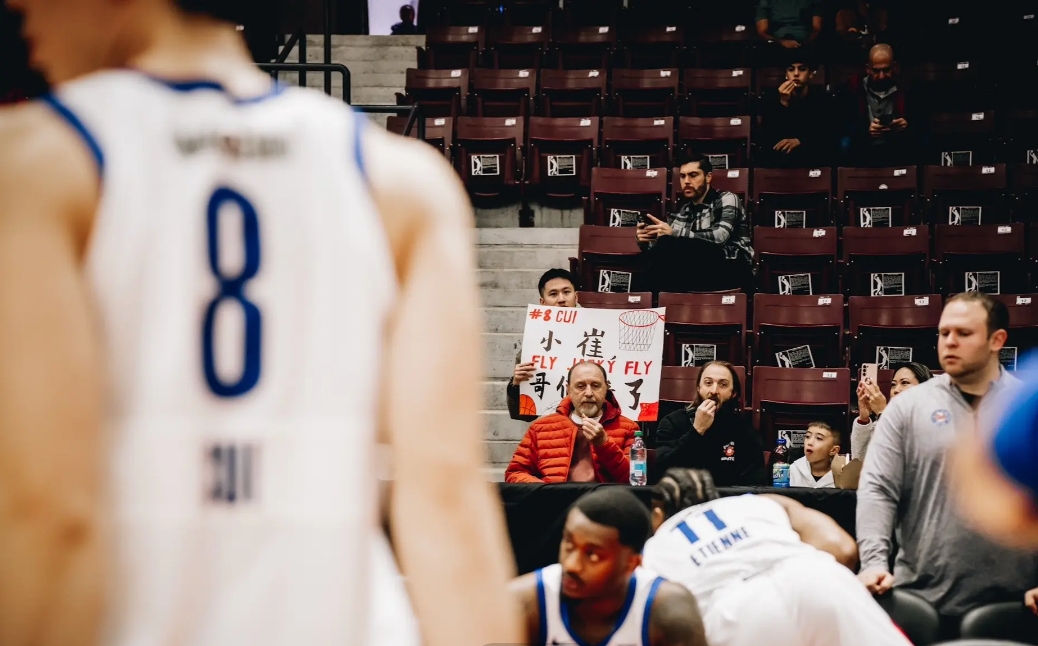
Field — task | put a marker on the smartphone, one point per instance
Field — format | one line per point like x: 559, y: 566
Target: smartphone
x: 886, y: 119
x: 869, y: 373
x: 643, y: 219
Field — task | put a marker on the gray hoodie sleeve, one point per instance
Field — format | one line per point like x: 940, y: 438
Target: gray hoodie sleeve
x: 879, y: 490
x: 861, y: 435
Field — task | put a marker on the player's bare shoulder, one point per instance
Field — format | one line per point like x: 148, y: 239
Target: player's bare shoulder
x: 675, y: 620
x: 524, y: 589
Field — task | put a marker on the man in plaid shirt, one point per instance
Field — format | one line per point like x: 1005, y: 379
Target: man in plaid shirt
x: 705, y: 246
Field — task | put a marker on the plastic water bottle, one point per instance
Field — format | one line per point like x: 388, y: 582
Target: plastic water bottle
x: 639, y: 466
x: 780, y: 464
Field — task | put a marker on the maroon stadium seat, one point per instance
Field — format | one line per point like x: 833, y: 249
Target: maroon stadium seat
x: 562, y: 153
x: 653, y: 47
x: 441, y: 93
x: 714, y: 322
x: 645, y: 93
x: 637, y: 143
x: 725, y: 46
x: 955, y: 193
x: 619, y: 196
x: 1023, y: 189
x: 1023, y: 326
x: 439, y: 131
x: 726, y: 140
x: 511, y: 48
x: 865, y: 194
x: 451, y: 47
x: 886, y: 261
x: 962, y: 138
x: 572, y: 93
x: 982, y: 257
x: 949, y: 86
x: 795, y: 260
x: 788, y: 399
x: 717, y: 93
x: 609, y: 259
x: 801, y: 328
x: 488, y: 154
x: 610, y: 301
x: 503, y: 93
x: 897, y: 323
x: 581, y: 48
x: 795, y: 195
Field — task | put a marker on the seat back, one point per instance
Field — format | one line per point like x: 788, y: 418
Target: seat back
x: 572, y: 93
x: 654, y: 47
x: 439, y: 131
x: 1023, y: 327
x: 488, y: 150
x: 877, y: 196
x: 611, y: 301
x: 965, y: 194
x: 795, y: 261
x: 913, y: 615
x: 889, y: 261
x: 725, y: 140
x: 894, y: 329
x: 503, y: 93
x: 645, y: 93
x: 453, y: 47
x: 581, y: 48
x: 704, y: 327
x: 725, y: 46
x: 794, y: 197
x: 511, y: 48
x: 798, y: 331
x: 733, y: 180
x: 1010, y: 621
x: 619, y: 197
x: 717, y: 93
x: 962, y: 138
x: 986, y: 257
x: 948, y: 86
x: 441, y: 93
x: 788, y: 399
x: 1020, y: 131
x: 1023, y: 187
x: 609, y: 259
x: 637, y: 143
x: 562, y: 152
x: 530, y: 13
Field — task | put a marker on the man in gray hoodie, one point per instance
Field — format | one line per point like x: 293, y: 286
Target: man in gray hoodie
x: 901, y: 487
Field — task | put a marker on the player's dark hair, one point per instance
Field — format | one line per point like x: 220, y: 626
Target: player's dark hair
x: 552, y: 274
x: 684, y: 157
x: 680, y: 488
x: 998, y: 313
x: 736, y: 385
x: 569, y: 375
x: 918, y: 370
x: 234, y: 11
x: 837, y: 435
x: 620, y: 509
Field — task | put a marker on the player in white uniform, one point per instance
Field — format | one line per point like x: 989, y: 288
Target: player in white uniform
x: 597, y: 593
x: 762, y: 568
x: 215, y: 293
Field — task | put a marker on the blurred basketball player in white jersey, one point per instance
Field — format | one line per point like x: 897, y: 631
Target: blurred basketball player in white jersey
x: 597, y: 593
x: 215, y: 294
x: 762, y: 568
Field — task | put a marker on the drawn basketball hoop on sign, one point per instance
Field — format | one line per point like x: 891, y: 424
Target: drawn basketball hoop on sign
x: 637, y: 329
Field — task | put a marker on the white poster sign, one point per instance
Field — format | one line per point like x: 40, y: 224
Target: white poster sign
x: 628, y: 344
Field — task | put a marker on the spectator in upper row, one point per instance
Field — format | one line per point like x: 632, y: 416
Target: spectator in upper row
x: 791, y: 23
x: 703, y: 247
x: 585, y: 440
x: 406, y: 26
x: 880, y: 133
x: 795, y: 130
x: 557, y: 288
x: 863, y: 23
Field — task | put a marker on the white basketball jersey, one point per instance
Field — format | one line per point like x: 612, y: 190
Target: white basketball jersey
x: 243, y: 281
x: 722, y: 542
x: 632, y: 627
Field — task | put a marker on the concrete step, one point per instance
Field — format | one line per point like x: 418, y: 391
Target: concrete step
x: 499, y: 354
x: 342, y: 40
x: 494, y: 397
x: 529, y: 236
x: 495, y: 473
x: 507, y: 257
x: 504, y: 319
x: 497, y: 218
x: 509, y: 297
x: 509, y: 278
x: 543, y: 216
x: 363, y: 59
x: 375, y: 95
x: 395, y: 80
x: 499, y: 452
x: 499, y: 426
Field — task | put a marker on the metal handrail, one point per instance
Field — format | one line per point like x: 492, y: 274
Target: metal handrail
x: 303, y: 68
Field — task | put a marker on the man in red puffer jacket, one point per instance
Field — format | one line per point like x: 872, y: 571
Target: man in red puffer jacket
x: 585, y: 440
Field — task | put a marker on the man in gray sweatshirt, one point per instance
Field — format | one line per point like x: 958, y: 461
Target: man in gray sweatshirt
x: 902, y: 488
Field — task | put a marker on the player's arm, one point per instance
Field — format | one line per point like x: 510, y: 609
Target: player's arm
x: 51, y: 520
x: 448, y: 524
x: 819, y: 531
x: 675, y: 619
x: 525, y: 591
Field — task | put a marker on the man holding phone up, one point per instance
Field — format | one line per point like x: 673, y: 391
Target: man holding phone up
x: 703, y: 247
x: 880, y: 134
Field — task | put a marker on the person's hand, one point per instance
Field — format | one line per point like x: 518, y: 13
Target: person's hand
x: 898, y: 124
x: 863, y: 403
x: 705, y: 416
x: 876, y: 129
x: 787, y: 145
x: 877, y: 402
x: 593, y: 431
x: 1031, y: 600
x: 523, y: 372
x: 659, y: 227
x: 643, y: 234
x: 789, y: 44
x: 786, y: 90
x: 876, y: 581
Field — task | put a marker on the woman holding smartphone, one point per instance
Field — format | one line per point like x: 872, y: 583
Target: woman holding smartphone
x: 872, y: 403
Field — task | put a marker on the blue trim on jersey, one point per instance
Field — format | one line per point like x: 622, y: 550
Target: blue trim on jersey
x: 359, y: 123
x: 632, y: 588
x: 1015, y: 442
x: 542, y: 604
x: 70, y: 117
x: 648, y: 609
x: 204, y: 84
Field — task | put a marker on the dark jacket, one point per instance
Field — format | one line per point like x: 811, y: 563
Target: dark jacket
x: 807, y: 119
x: 730, y: 449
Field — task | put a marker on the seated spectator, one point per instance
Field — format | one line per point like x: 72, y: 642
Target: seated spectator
x: 558, y: 288
x: 879, y: 133
x: 585, y: 440
x: 712, y: 433
x: 790, y: 23
x: 703, y: 247
x: 795, y: 117
x: 872, y: 403
x: 821, y: 445
x: 406, y: 26
x: 862, y: 24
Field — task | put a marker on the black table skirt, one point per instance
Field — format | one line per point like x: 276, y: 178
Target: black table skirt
x: 537, y: 512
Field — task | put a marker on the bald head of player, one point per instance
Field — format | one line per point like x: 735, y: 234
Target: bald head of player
x: 69, y: 38
x: 679, y: 489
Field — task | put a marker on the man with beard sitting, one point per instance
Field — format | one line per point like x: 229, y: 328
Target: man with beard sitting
x: 712, y: 433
